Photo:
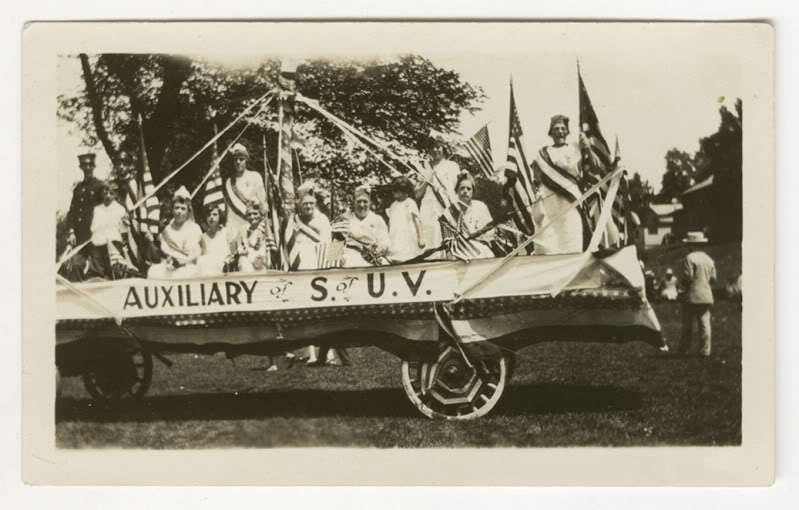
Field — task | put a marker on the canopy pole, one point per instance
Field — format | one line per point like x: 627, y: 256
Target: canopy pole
x: 218, y: 158
x: 285, y: 134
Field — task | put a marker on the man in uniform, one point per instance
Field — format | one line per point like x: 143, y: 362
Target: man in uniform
x: 85, y: 196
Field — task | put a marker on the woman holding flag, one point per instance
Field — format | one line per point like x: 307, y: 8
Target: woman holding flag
x: 464, y: 219
x: 437, y: 191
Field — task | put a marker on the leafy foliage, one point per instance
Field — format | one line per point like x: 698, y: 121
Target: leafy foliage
x: 679, y: 175
x: 640, y: 193
x: 397, y: 101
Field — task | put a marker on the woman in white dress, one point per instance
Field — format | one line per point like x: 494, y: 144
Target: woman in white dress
x: 404, y: 225
x: 559, y: 170
x: 243, y: 189
x: 438, y: 186
x: 180, y: 242
x: 464, y: 219
x: 216, y: 243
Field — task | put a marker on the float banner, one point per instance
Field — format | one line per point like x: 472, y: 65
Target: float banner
x: 389, y: 285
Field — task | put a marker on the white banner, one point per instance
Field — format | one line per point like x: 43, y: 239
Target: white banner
x: 386, y: 285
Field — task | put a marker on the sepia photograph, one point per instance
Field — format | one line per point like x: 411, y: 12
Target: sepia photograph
x: 404, y: 246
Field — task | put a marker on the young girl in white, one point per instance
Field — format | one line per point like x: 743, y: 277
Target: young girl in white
x: 404, y: 224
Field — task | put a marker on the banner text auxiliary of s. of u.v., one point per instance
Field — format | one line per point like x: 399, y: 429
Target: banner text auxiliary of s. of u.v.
x: 270, y: 291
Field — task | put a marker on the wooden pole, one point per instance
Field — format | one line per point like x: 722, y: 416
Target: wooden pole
x: 286, y: 176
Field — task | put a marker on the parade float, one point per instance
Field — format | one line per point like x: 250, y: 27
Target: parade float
x: 456, y: 325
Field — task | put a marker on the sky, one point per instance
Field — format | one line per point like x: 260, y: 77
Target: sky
x: 652, y: 101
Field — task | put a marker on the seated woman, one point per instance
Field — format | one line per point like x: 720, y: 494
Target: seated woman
x: 180, y: 242
x: 216, y: 242
x: 464, y: 219
x: 255, y: 243
x: 365, y: 233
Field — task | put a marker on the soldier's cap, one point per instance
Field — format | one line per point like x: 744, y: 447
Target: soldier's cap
x: 89, y: 157
x: 239, y: 150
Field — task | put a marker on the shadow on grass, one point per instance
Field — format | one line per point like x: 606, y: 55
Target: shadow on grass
x: 378, y: 402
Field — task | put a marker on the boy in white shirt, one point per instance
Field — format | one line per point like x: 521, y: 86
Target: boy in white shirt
x: 109, y: 229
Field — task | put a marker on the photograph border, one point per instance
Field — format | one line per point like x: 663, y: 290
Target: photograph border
x: 750, y: 464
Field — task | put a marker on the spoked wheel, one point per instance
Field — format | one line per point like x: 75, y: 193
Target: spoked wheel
x: 123, y: 372
x: 450, y: 389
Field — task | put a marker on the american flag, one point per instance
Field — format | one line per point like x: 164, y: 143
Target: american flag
x: 523, y: 191
x: 621, y: 204
x: 479, y: 148
x: 329, y: 254
x: 150, y: 219
x: 460, y: 246
x: 597, y: 163
x: 214, y: 196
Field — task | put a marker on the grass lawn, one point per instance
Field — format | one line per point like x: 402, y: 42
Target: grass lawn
x: 561, y: 395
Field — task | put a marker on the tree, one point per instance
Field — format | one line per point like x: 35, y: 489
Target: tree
x: 720, y: 155
x: 640, y: 193
x: 679, y: 175
x: 397, y: 101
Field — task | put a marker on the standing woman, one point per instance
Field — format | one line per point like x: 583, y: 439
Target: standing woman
x: 559, y: 168
x: 180, y: 242
x: 436, y: 191
x: 243, y: 190
x: 464, y: 219
x: 216, y: 243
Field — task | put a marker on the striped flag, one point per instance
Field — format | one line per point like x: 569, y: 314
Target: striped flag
x: 523, y: 189
x: 597, y: 163
x: 329, y: 254
x: 621, y: 203
x: 214, y: 194
x: 479, y: 148
x: 460, y: 246
x: 151, y: 217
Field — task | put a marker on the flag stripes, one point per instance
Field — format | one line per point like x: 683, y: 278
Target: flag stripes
x: 479, y: 148
x: 597, y: 163
x: 523, y: 188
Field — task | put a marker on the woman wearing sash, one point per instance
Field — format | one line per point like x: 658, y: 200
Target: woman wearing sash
x: 243, y: 189
x: 306, y: 232
x: 558, y: 168
x: 180, y: 242
x: 464, y: 219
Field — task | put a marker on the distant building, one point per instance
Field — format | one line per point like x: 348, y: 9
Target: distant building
x: 658, y: 222
x: 697, y: 213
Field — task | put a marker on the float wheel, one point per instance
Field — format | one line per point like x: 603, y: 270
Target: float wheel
x: 124, y: 371
x: 449, y: 389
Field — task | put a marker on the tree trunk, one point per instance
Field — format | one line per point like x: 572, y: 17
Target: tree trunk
x: 159, y: 128
x: 97, y: 109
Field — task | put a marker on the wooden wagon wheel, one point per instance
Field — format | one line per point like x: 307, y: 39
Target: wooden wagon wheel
x: 449, y: 389
x: 121, y: 373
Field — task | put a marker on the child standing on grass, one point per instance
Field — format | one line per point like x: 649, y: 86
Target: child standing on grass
x: 405, y: 227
